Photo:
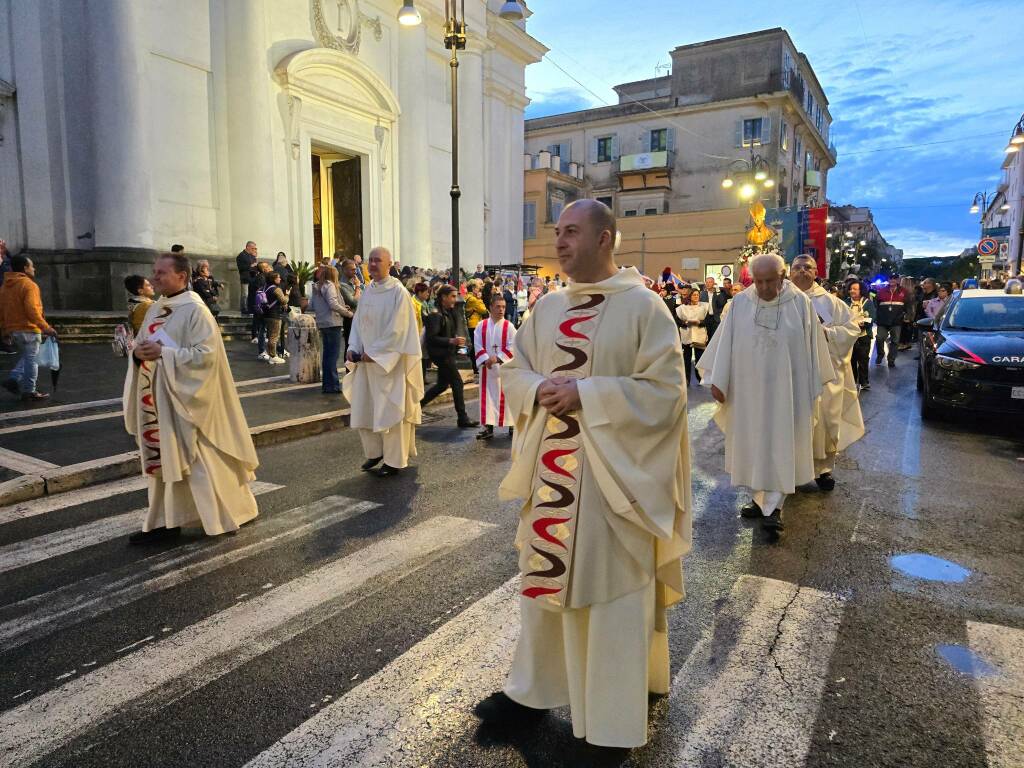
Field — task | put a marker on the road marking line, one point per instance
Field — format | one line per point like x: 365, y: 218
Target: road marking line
x: 67, y: 540
x: 28, y: 413
x: 120, y: 414
x: 136, y: 644
x: 24, y: 509
x: 1002, y: 707
x: 413, y: 698
x: 752, y: 686
x: 205, y: 651
x: 26, y: 465
x: 42, y: 614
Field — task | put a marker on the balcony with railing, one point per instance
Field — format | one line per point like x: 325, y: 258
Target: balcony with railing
x: 644, y: 162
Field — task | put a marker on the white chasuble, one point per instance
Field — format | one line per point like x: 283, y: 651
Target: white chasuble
x: 838, y: 422
x: 607, y: 488
x: 184, y: 412
x: 493, y: 339
x: 771, y: 360
x: 385, y: 393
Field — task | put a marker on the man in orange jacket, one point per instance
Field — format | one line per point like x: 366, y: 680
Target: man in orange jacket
x: 21, y: 318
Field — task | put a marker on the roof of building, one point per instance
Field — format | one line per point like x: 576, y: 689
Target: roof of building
x: 733, y: 38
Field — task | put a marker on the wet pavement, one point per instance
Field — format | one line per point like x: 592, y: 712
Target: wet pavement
x: 357, y: 621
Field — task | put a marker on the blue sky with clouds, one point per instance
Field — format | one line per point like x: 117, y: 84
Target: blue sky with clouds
x: 895, y: 74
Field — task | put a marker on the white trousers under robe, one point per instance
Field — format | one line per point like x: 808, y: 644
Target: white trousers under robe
x: 215, y: 493
x: 600, y: 660
x: 394, y: 444
x: 821, y: 466
x: 769, y: 501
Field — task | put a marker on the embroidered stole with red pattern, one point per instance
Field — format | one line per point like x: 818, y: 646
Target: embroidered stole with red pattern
x: 150, y: 422
x: 554, y: 505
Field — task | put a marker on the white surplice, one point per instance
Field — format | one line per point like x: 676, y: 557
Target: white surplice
x: 384, y: 395
x: 606, y: 516
x: 493, y: 339
x: 771, y: 360
x: 184, y: 412
x: 838, y: 422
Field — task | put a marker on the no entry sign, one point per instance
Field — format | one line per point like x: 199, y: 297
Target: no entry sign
x: 987, y: 247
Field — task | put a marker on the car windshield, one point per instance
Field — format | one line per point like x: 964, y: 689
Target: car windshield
x: 987, y: 313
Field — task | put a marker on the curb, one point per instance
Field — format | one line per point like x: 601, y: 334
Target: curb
x: 86, y: 473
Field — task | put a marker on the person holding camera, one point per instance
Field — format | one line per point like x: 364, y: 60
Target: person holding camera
x: 440, y: 333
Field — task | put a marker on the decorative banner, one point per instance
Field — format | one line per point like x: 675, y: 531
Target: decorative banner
x: 786, y: 221
x: 816, y: 241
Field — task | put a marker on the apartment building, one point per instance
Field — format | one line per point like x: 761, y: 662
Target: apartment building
x: 669, y: 142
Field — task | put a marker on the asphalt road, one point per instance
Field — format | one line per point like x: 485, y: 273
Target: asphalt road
x: 358, y: 620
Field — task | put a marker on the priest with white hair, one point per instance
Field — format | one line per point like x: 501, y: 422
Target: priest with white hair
x: 766, y: 366
x: 838, y: 422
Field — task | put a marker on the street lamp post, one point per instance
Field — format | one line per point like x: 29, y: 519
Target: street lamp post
x: 980, y: 204
x: 455, y: 41
x: 749, y: 175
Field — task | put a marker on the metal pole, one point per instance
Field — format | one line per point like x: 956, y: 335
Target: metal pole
x: 455, y: 192
x: 643, y: 253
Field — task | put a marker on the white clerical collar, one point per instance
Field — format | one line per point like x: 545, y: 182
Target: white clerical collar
x: 622, y: 280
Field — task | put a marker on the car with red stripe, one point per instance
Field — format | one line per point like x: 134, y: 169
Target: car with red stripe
x: 972, y: 355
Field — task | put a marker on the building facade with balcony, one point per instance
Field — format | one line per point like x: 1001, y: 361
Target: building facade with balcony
x: 1012, y: 189
x: 859, y: 222
x: 307, y: 126
x: 668, y: 143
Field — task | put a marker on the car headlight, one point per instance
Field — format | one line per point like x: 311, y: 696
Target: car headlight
x: 955, y: 363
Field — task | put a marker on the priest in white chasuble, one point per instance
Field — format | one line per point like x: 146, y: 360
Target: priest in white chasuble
x: 766, y: 366
x: 493, y: 339
x: 838, y: 422
x: 601, y: 460
x: 181, y: 404
x: 385, y: 381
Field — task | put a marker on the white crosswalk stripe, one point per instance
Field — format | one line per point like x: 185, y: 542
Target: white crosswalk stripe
x: 24, y: 509
x: 50, y: 611
x: 386, y: 720
x: 752, y: 686
x: 205, y: 651
x: 67, y: 540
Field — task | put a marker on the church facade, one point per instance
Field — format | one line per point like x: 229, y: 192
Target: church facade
x: 307, y: 126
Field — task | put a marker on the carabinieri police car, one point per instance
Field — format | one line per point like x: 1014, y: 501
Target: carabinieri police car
x: 972, y: 354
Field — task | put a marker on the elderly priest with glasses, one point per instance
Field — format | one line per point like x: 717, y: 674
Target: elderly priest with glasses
x: 766, y: 366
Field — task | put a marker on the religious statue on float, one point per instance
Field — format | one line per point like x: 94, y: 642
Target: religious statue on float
x: 760, y: 239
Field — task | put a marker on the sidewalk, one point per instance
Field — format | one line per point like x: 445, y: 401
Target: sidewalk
x: 77, y: 437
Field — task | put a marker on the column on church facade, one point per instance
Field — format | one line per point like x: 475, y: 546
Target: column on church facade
x: 250, y: 110
x: 414, y: 148
x: 123, y: 207
x: 473, y: 161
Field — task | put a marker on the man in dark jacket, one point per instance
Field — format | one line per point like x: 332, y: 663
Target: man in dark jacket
x: 440, y: 333
x: 246, y: 263
x: 890, y: 307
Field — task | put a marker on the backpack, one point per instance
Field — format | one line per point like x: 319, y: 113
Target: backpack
x: 260, y: 302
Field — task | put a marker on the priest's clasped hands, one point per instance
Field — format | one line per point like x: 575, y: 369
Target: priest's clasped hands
x: 559, y: 396
x: 148, y: 350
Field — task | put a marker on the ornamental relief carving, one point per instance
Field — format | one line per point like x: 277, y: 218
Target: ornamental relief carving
x: 338, y: 24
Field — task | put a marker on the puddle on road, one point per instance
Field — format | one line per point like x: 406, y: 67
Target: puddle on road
x: 965, y: 661
x: 929, y: 567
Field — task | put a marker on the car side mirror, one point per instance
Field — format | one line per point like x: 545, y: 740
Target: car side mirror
x: 925, y: 322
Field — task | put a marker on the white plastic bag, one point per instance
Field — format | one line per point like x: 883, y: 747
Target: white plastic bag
x: 49, y: 354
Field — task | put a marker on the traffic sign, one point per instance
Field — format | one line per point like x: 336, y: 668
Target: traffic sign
x: 987, y: 247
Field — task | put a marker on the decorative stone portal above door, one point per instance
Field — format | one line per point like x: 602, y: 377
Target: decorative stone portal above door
x: 338, y: 24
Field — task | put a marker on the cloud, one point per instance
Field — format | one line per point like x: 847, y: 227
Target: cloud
x: 869, y: 72
x: 928, y: 244
x: 556, y: 102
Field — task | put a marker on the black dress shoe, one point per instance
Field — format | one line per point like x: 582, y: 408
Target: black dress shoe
x: 751, y: 510
x: 773, y: 523
x: 499, y: 709
x: 825, y: 481
x: 468, y: 424
x: 486, y: 433
x: 386, y: 471
x: 153, y: 537
x: 892, y: 365
x: 371, y: 463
